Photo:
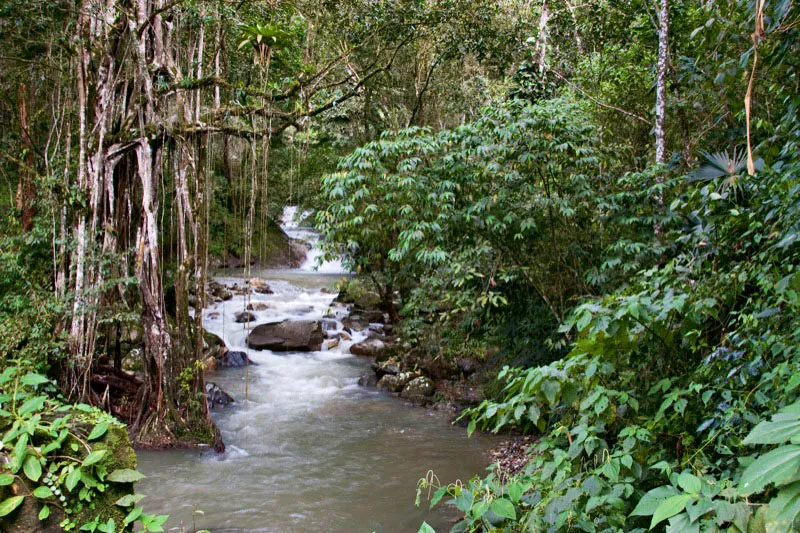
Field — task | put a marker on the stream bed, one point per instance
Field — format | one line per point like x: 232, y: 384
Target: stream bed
x: 308, y: 449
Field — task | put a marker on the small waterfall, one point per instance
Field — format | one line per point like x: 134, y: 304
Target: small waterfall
x: 291, y: 224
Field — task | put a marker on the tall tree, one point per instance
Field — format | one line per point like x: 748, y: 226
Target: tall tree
x: 661, y: 81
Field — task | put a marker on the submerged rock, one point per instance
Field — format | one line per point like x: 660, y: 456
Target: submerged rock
x: 219, y: 291
x: 217, y: 397
x: 368, y: 380
x: 235, y: 360
x: 243, y: 317
x: 287, y: 336
x: 258, y: 306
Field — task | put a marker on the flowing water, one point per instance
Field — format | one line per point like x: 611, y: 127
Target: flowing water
x: 308, y: 449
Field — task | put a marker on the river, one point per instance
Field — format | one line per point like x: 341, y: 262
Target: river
x: 308, y: 449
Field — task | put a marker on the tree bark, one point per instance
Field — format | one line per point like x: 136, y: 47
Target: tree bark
x: 661, y: 81
x: 26, y: 190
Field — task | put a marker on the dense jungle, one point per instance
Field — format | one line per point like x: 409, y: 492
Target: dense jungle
x: 400, y: 265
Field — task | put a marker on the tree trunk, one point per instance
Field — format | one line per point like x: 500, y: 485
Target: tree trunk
x: 661, y: 81
x: 26, y: 191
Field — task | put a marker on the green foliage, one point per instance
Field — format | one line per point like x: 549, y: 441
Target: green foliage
x: 465, y: 222
x: 674, y: 376
x: 54, y: 459
x: 29, y: 310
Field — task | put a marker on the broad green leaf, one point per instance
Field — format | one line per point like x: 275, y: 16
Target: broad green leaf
x: 44, y: 513
x: 689, y: 483
x: 94, y: 457
x: 784, y: 509
x: 125, y: 475
x: 31, y: 405
x: 43, y: 492
x: 6, y: 479
x: 682, y: 524
x: 778, y: 466
x: 135, y: 513
x: 73, y: 478
x: 155, y: 523
x: 516, y: 490
x: 31, y: 379
x: 438, y: 495
x: 108, y: 527
x: 503, y: 507
x: 669, y: 508
x: 20, y: 452
x: 32, y: 468
x: 650, y: 501
x: 129, y: 499
x: 98, y: 431
x: 551, y: 388
x: 10, y: 504
x: 425, y: 528
x: 774, y: 432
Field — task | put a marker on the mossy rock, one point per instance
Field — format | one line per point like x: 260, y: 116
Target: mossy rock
x: 119, y: 455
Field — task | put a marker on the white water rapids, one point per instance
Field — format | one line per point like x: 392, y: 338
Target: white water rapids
x: 309, y: 450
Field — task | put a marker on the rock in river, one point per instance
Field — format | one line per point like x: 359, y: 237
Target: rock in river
x: 243, y: 317
x: 287, y: 336
x: 235, y: 360
x: 217, y: 397
x: 392, y: 383
x: 371, y: 347
x: 419, y: 389
x: 368, y: 380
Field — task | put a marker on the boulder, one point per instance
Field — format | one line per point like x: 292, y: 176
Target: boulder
x: 439, y: 367
x: 260, y: 286
x: 368, y: 380
x: 243, y: 317
x: 213, y: 345
x: 235, y: 360
x: 468, y: 366
x: 329, y: 324
x: 219, y: 291
x: 119, y: 454
x: 330, y: 344
x: 355, y: 322
x: 419, y: 389
x: 375, y: 317
x: 287, y: 336
x: 217, y: 397
x: 395, y: 383
x: 210, y: 364
x: 371, y: 347
x: 383, y: 368
x: 258, y: 306
x: 368, y: 300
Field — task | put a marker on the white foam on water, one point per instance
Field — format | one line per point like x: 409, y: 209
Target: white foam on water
x: 290, y: 223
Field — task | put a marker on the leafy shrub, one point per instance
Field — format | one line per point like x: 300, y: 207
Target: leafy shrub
x: 73, y: 461
x: 649, y: 419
